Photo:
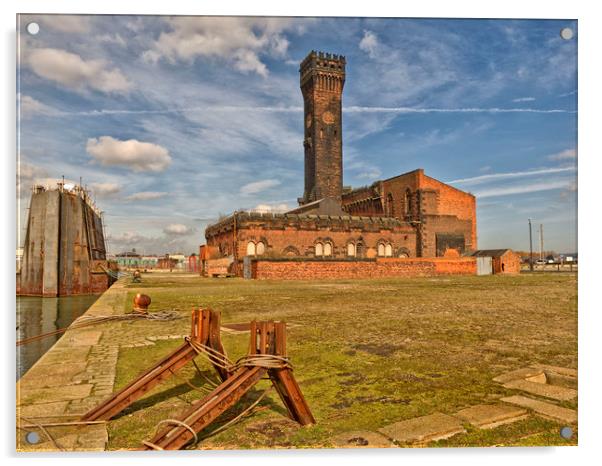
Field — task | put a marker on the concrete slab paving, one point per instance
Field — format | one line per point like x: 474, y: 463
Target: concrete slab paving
x: 83, y: 337
x: 543, y: 408
x: 542, y: 389
x: 523, y: 373
x: 424, y: 429
x: 55, y: 408
x: 86, y: 362
x: 558, y: 370
x: 362, y: 439
x: 490, y: 416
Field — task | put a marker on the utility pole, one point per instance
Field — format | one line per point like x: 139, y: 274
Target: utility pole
x: 541, y: 241
x: 530, y: 247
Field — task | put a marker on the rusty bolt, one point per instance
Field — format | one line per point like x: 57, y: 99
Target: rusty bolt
x: 141, y: 303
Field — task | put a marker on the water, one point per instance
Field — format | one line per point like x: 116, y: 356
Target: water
x: 40, y: 315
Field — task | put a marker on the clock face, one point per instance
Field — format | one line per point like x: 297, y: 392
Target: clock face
x: 308, y: 120
x: 328, y: 117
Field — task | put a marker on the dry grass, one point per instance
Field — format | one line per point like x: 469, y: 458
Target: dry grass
x: 368, y: 353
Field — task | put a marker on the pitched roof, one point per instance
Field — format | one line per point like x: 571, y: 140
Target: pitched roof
x: 490, y: 252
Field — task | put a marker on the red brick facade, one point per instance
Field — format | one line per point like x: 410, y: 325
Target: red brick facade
x: 322, y: 77
x: 410, y: 215
x: 265, y: 269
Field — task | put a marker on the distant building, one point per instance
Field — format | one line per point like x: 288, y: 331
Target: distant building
x: 497, y: 261
x: 129, y: 259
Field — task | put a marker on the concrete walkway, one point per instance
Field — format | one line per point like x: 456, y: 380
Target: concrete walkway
x: 71, y: 378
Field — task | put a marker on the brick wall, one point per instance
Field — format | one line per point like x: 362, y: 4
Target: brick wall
x: 285, y: 235
x: 508, y: 263
x: 309, y: 269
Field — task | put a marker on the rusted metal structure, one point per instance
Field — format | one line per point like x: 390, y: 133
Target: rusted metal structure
x: 205, y: 330
x: 267, y: 356
x: 267, y: 348
x: 64, y: 251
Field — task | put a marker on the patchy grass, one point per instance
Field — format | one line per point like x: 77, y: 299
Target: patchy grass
x: 367, y: 353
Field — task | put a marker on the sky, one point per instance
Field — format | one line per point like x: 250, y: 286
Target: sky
x: 173, y: 122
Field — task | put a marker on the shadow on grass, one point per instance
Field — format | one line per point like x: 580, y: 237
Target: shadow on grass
x: 182, y: 389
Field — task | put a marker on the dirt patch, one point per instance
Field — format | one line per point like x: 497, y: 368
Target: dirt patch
x: 273, y: 433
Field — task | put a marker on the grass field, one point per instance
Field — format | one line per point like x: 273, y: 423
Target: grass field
x: 366, y: 353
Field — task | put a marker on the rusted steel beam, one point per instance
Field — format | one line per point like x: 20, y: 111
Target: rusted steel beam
x: 267, y: 338
x: 285, y: 383
x: 204, y: 323
x: 203, y: 412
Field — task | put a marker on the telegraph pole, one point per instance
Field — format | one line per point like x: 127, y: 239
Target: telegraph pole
x: 541, y: 241
x: 530, y: 247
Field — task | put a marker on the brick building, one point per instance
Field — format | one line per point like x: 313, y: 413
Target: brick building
x: 407, y: 216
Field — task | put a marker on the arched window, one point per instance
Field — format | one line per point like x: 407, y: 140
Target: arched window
x: 408, y: 203
x: 260, y: 248
x: 327, y: 249
x: 381, y: 249
x: 351, y: 250
x: 319, y: 250
x: 390, y: 209
x: 250, y: 248
x: 388, y: 250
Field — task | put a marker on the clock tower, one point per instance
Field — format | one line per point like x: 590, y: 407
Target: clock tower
x: 322, y: 79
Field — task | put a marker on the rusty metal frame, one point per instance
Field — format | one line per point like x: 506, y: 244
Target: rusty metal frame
x: 205, y: 329
x: 266, y: 338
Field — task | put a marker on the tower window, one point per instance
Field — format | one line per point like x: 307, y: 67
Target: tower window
x: 319, y: 250
x: 327, y: 249
x: 250, y: 248
x: 351, y: 250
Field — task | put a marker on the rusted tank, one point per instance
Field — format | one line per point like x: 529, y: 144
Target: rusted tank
x: 64, y: 250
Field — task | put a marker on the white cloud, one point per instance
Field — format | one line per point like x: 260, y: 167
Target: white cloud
x: 105, y: 189
x: 134, y: 154
x: 177, y: 229
x: 522, y: 189
x: 275, y: 208
x: 400, y: 110
x: 499, y: 176
x: 72, y: 71
x: 146, y: 196
x: 568, y: 154
x: 112, y: 39
x: 258, y: 186
x: 237, y: 40
x: 30, y: 106
x: 369, y: 43
x: 27, y: 175
x: 524, y: 99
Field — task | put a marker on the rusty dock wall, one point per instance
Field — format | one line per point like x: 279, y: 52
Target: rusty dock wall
x: 64, y: 251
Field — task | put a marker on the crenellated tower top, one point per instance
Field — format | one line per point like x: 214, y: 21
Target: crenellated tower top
x: 324, y: 70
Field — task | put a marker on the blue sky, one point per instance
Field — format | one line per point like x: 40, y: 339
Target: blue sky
x: 175, y: 121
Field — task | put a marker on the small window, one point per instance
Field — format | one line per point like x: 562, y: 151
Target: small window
x: 260, y: 248
x: 381, y: 249
x: 351, y: 250
x: 328, y: 249
x: 319, y: 250
x: 251, y: 248
x: 388, y: 250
